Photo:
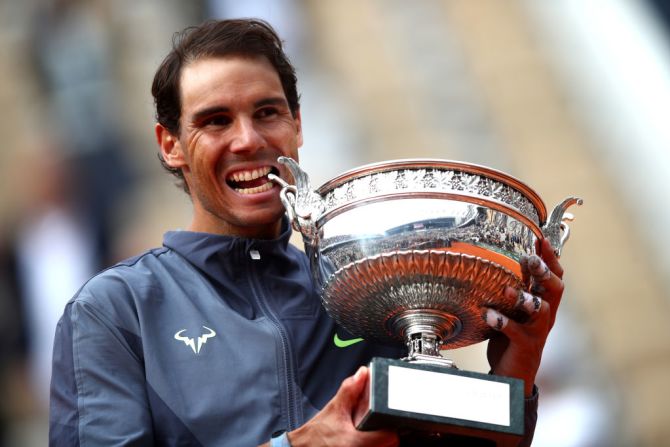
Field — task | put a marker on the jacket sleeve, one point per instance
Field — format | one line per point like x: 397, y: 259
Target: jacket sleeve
x: 98, y: 390
x: 530, y: 418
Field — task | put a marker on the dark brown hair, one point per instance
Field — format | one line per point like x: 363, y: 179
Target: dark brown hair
x: 217, y: 38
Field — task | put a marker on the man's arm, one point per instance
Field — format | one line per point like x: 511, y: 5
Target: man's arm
x: 98, y: 392
x: 516, y: 350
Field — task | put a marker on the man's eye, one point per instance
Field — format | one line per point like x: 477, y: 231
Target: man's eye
x: 267, y: 112
x: 219, y: 120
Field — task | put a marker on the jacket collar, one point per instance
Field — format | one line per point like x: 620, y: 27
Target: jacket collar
x: 204, y: 249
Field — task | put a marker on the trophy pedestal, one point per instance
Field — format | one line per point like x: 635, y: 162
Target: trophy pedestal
x: 442, y: 402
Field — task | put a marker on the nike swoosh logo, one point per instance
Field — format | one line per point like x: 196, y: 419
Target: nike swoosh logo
x: 345, y: 343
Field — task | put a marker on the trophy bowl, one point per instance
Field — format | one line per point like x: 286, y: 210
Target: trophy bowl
x: 411, y: 251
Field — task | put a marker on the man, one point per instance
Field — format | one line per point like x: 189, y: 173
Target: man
x: 218, y: 337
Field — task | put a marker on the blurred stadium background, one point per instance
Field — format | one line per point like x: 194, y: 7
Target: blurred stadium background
x: 571, y: 96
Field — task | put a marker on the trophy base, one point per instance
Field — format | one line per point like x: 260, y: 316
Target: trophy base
x: 434, y: 402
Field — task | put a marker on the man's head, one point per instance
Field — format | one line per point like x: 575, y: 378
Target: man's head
x: 227, y: 108
x: 236, y: 37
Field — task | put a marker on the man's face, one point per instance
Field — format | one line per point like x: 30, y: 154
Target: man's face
x: 235, y: 122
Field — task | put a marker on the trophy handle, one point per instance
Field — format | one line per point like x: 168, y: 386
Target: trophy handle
x: 556, y: 229
x: 303, y: 205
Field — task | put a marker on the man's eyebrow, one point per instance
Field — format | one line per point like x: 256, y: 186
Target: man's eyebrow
x: 200, y: 114
x: 272, y: 101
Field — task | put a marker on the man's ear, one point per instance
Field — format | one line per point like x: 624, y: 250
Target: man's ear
x: 170, y: 147
x: 298, y: 123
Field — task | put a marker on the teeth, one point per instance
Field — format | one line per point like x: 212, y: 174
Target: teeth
x: 245, y: 176
x: 266, y: 187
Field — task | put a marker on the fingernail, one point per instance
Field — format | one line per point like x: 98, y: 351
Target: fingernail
x: 495, y: 319
x: 529, y: 302
x: 538, y: 268
x: 359, y: 372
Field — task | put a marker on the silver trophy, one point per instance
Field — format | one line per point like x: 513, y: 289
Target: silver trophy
x: 410, y: 252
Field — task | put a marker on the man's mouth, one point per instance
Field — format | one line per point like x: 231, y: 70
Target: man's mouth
x: 252, y: 181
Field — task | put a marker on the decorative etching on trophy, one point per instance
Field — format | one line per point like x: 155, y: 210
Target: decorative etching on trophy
x: 428, y: 180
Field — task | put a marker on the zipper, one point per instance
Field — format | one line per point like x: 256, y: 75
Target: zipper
x: 294, y: 413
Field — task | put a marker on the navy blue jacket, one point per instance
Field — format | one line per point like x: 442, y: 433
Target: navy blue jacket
x: 197, y: 343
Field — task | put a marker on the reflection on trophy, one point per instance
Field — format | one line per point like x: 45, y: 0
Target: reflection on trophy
x: 411, y: 251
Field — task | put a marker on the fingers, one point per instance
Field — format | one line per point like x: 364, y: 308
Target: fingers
x: 351, y: 391
x: 495, y: 319
x: 538, y: 269
x: 518, y: 334
x: 530, y: 303
x: 542, y: 275
x: 544, y: 251
x: 535, y: 270
x: 334, y: 426
x: 352, y: 387
x: 542, y: 279
x: 516, y: 349
x: 523, y: 351
x: 549, y: 255
x: 549, y: 286
x: 534, y: 306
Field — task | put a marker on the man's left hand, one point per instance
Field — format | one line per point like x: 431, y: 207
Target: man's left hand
x: 516, y: 349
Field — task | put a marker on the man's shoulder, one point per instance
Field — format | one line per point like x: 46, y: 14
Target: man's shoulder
x: 128, y: 279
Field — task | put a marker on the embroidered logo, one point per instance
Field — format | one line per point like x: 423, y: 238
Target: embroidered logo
x: 345, y: 343
x: 190, y: 342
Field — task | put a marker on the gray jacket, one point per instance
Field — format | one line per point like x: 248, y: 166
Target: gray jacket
x: 197, y: 343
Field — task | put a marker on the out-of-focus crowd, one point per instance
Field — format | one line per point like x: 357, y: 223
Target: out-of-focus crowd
x: 66, y: 191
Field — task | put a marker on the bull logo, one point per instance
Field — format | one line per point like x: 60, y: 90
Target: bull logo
x: 190, y: 342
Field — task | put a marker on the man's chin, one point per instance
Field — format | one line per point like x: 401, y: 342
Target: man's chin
x: 264, y: 223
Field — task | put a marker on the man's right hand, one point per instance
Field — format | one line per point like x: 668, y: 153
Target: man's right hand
x: 334, y: 425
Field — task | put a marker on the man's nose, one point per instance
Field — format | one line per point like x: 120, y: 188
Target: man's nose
x: 246, y: 137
